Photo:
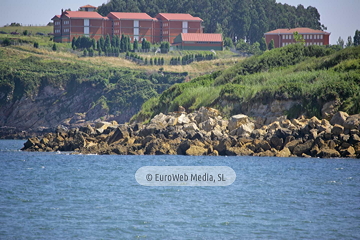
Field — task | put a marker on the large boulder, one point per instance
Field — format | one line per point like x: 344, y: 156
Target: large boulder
x: 237, y: 120
x: 208, y: 125
x: 352, y: 122
x: 245, y: 130
x: 190, y: 127
x: 196, y: 151
x: 337, y: 130
x: 303, y: 148
x: 183, y: 119
x: 204, y: 113
x: 120, y: 133
x: 339, y: 118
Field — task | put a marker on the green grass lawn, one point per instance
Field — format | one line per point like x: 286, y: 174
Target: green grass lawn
x: 31, y: 29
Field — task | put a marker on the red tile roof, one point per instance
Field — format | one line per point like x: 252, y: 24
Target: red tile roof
x: 82, y: 14
x: 56, y: 16
x: 88, y: 6
x: 201, y: 37
x: 299, y: 30
x: 179, y: 16
x: 128, y: 15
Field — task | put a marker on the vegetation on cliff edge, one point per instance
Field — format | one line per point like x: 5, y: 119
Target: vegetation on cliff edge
x: 312, y: 75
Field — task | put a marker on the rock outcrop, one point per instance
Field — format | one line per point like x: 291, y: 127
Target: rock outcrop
x: 205, y: 132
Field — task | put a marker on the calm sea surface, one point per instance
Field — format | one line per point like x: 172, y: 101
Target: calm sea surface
x: 62, y: 196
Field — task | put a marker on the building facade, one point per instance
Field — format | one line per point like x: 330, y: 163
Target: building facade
x: 139, y: 26
x: 199, y: 41
x: 283, y: 37
x: 135, y: 25
x: 72, y: 24
x: 170, y: 25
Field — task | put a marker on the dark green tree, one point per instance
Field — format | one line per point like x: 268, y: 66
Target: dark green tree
x: 340, y: 42
x: 135, y: 45
x: 228, y: 42
x: 357, y: 38
x: 271, y: 44
x: 54, y: 47
x: 107, y: 42
x: 73, y: 43
x: 349, y: 42
x: 102, y: 43
x: 36, y: 45
x: 263, y: 46
x: 85, y: 52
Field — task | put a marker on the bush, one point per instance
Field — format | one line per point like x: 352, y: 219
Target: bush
x: 6, y: 42
x: 36, y: 45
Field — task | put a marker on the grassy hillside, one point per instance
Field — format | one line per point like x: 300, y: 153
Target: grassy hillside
x: 31, y: 29
x: 313, y: 75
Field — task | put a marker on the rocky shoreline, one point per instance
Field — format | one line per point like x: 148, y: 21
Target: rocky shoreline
x: 205, y: 132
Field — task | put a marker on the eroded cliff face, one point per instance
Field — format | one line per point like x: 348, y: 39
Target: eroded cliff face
x: 53, y: 106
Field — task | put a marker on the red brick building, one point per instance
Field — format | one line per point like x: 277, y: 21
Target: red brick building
x: 164, y: 27
x: 169, y: 25
x: 135, y: 25
x: 199, y: 41
x: 72, y: 24
x: 283, y: 37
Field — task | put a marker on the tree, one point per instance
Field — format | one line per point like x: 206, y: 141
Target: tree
x: 357, y: 38
x: 298, y: 38
x: 340, y: 42
x: 263, y: 46
x: 93, y: 43
x: 54, y: 47
x: 242, y: 46
x: 85, y: 53
x: 136, y: 45
x: 36, y: 45
x: 6, y: 42
x: 102, y: 43
x: 123, y: 43
x: 25, y: 32
x: 165, y: 47
x: 271, y: 44
x: 107, y: 42
x: 228, y: 42
x: 73, y: 43
x: 349, y: 42
x: 151, y: 61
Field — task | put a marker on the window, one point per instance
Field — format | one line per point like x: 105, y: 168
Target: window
x: 116, y: 23
x: 86, y: 22
x: 136, y: 23
x: 184, y: 27
x: 57, y: 30
x: 283, y: 36
x: 66, y: 22
x: 287, y: 36
x: 321, y: 43
x: 315, y: 36
x: 321, y: 36
x: 66, y: 30
x: 57, y: 23
x: 310, y: 36
x: 304, y: 36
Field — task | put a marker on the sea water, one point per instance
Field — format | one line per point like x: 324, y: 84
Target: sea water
x: 65, y: 196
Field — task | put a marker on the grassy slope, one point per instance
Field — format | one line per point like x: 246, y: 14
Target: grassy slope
x: 31, y: 29
x: 25, y: 70
x: 313, y: 75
